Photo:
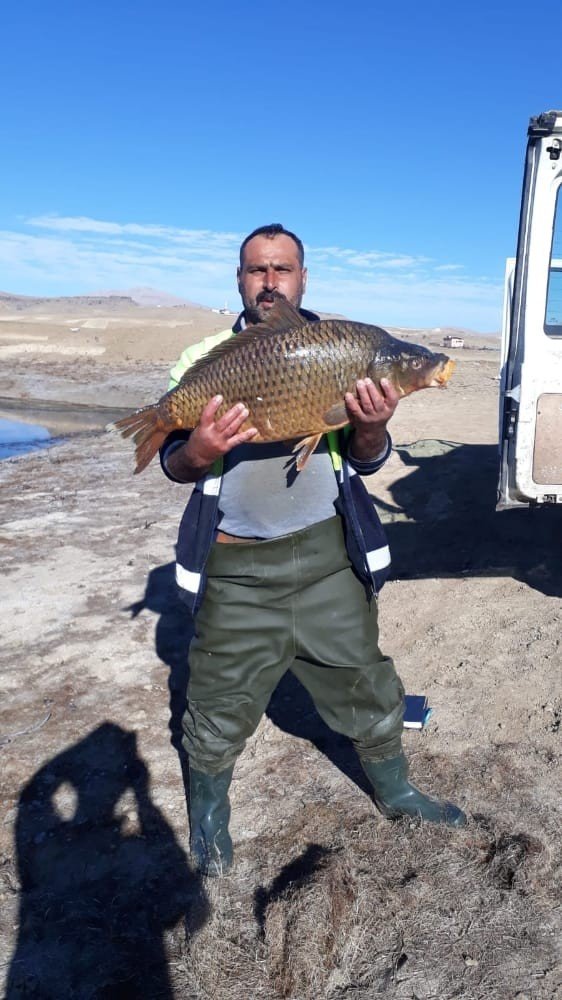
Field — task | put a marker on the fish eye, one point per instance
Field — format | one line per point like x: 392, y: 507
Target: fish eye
x: 416, y: 362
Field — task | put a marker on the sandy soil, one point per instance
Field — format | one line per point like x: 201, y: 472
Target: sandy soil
x: 327, y: 899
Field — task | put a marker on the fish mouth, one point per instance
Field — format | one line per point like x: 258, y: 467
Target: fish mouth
x: 444, y: 374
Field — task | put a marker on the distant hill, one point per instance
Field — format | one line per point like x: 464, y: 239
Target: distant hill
x: 21, y: 303
x: 144, y: 296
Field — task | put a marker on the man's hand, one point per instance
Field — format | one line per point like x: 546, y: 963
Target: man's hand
x: 369, y: 414
x: 213, y: 438
x: 210, y: 440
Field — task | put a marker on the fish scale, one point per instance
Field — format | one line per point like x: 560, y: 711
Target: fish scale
x: 291, y: 374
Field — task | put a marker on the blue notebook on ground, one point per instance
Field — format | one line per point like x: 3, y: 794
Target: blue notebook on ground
x: 416, y: 712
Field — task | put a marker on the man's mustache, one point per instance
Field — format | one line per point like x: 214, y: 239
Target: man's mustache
x: 268, y: 297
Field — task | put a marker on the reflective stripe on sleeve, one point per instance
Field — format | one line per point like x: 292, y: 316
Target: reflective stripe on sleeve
x: 187, y: 580
x: 378, y: 558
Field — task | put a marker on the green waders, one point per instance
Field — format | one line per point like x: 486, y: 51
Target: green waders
x: 292, y: 602
x: 289, y: 603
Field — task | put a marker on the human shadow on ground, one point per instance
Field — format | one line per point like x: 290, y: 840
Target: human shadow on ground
x: 444, y: 523
x: 174, y: 631
x: 102, y: 878
x: 292, y: 877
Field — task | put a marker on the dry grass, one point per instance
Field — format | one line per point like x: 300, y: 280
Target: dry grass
x: 364, y: 908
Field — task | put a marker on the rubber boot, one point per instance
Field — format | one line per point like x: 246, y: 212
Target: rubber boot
x: 395, y: 796
x: 209, y: 813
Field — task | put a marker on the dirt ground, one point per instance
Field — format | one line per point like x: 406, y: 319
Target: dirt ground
x: 327, y: 899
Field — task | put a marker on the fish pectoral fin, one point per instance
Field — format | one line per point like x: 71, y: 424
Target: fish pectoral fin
x: 303, y: 449
x: 337, y: 415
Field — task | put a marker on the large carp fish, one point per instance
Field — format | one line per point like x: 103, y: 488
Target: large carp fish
x: 292, y: 375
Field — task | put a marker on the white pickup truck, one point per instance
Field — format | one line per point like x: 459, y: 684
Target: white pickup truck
x: 531, y: 359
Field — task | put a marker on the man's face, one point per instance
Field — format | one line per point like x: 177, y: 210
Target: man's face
x: 270, y: 267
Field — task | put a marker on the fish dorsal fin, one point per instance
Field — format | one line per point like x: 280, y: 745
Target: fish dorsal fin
x: 282, y: 316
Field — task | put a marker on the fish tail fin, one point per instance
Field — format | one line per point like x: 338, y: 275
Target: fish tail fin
x: 149, y: 429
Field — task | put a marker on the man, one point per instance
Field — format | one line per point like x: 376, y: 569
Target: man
x: 281, y: 569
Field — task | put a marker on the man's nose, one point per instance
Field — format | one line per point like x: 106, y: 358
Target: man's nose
x: 270, y: 279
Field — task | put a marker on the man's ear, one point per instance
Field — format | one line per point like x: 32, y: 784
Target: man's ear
x: 304, y: 278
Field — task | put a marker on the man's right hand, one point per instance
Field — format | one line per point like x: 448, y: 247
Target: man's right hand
x: 210, y: 440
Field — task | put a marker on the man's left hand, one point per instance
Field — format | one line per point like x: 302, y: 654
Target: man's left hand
x: 369, y: 414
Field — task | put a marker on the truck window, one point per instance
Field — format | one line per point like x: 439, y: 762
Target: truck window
x: 553, y: 318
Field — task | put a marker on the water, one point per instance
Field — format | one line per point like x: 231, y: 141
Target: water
x: 17, y: 438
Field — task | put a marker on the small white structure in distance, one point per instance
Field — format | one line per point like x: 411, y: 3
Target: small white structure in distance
x: 450, y: 341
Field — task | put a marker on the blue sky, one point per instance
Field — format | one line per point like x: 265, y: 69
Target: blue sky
x: 142, y: 142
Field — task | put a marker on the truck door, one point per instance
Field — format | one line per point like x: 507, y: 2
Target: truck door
x: 531, y: 375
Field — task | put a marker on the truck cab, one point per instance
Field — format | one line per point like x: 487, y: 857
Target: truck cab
x: 530, y: 432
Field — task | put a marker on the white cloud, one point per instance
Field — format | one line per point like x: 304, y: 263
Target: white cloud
x: 364, y: 259
x: 84, y: 224
x: 411, y: 300
x: 52, y: 254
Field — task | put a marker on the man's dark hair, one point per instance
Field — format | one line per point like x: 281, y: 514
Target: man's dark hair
x: 274, y: 229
